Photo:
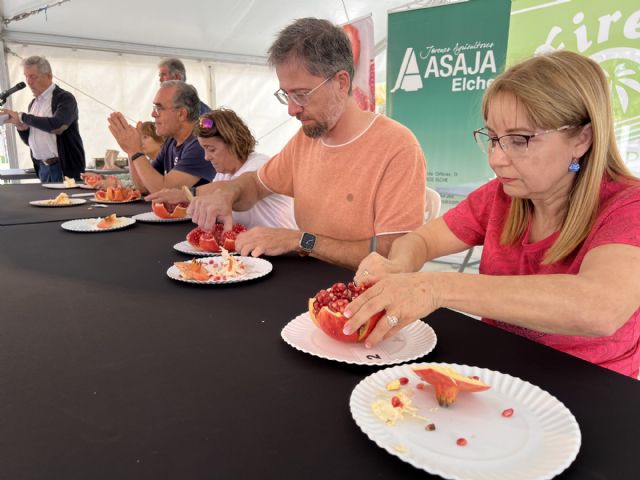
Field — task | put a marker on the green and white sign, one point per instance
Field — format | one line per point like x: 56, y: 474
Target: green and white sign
x: 606, y: 31
x: 440, y: 61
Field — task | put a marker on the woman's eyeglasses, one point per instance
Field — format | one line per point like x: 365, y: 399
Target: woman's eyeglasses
x: 511, y: 143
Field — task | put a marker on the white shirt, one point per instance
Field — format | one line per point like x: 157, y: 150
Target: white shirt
x: 42, y: 144
x: 274, y: 211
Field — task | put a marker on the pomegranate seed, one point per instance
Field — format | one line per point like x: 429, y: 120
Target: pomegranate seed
x: 420, y: 386
x: 404, y: 380
x: 461, y: 441
x: 430, y: 427
x: 508, y: 412
x: 396, y: 402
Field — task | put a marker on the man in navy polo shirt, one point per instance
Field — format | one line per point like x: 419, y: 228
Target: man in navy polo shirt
x: 181, y: 159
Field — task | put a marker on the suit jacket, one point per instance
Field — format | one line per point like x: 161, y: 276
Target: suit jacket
x: 64, y: 125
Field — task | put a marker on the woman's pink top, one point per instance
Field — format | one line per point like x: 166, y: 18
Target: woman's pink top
x: 479, y: 219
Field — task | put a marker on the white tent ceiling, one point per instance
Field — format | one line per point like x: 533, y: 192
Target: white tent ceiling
x: 117, y: 43
x: 239, y: 30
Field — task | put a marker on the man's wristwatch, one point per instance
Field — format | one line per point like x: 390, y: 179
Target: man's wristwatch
x: 306, y: 244
x: 136, y: 155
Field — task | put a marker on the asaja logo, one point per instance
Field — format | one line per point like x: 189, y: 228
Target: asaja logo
x: 467, y: 66
x: 408, y: 78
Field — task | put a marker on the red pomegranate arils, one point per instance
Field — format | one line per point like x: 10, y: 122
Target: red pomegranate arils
x: 508, y: 412
x: 430, y: 427
x: 461, y: 442
x: 396, y: 402
x: 420, y: 386
x: 404, y: 380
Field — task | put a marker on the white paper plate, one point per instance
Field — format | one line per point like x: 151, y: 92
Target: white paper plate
x: 413, y: 341
x: 94, y: 199
x: 57, y: 186
x: 538, y: 442
x: 255, y: 268
x: 89, y: 225
x: 45, y: 203
x: 150, y: 217
x: 186, y: 247
x: 86, y: 187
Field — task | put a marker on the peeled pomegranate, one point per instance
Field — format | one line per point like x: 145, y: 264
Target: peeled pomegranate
x: 170, y: 210
x: 327, y: 307
x: 211, y: 241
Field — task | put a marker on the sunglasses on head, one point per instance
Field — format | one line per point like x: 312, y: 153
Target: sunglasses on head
x: 206, y: 122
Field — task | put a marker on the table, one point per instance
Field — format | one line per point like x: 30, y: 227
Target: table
x: 17, y: 174
x: 15, y: 208
x: 109, y: 369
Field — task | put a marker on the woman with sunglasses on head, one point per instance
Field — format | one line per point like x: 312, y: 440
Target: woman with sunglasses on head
x: 229, y: 145
x: 560, y: 225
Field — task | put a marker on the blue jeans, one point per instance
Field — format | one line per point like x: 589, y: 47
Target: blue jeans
x: 50, y: 173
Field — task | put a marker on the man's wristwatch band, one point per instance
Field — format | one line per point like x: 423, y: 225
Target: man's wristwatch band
x: 136, y: 155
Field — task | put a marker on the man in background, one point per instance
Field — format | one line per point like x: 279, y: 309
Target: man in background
x: 50, y: 127
x: 181, y: 160
x: 173, y: 69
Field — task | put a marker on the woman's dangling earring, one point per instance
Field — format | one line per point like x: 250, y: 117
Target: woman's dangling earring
x: 574, y: 166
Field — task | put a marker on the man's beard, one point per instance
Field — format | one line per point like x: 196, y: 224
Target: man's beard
x: 323, y: 126
x: 315, y: 131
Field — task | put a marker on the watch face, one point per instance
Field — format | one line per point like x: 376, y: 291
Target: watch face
x: 307, y: 242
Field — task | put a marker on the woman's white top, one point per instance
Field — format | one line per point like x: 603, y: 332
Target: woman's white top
x: 272, y: 211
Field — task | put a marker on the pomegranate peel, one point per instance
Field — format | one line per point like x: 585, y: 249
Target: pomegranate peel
x: 169, y: 210
x: 448, y: 383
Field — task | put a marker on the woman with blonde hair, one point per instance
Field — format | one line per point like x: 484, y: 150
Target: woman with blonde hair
x: 560, y: 225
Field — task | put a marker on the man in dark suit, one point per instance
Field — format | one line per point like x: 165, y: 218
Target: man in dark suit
x: 50, y: 127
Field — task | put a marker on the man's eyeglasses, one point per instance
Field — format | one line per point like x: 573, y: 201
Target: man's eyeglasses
x: 514, y: 143
x: 158, y: 109
x: 300, y: 99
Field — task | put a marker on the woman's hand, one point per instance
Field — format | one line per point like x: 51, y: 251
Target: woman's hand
x: 373, y: 267
x: 406, y: 297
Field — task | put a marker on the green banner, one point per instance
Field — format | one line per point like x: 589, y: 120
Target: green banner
x: 606, y: 31
x: 439, y: 62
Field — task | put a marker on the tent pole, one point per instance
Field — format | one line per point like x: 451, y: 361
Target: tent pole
x: 9, y: 132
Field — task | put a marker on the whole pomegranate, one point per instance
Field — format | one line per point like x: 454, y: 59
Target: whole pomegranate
x: 327, y: 312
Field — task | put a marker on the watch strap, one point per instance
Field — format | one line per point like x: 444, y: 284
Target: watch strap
x: 136, y: 156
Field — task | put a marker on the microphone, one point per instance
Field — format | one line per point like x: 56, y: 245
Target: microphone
x: 12, y: 90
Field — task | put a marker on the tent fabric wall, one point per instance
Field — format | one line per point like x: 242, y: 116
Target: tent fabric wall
x: 128, y: 83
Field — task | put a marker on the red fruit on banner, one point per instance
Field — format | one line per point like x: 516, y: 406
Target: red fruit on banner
x: 354, y: 38
x: 362, y: 99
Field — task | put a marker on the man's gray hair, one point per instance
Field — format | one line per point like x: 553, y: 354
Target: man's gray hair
x: 186, y: 96
x: 175, y: 66
x: 42, y: 63
x: 320, y: 46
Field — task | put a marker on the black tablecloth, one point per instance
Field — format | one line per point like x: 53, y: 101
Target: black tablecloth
x: 111, y: 370
x: 15, y: 208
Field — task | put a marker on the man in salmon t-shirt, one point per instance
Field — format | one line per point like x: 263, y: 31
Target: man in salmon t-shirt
x: 357, y: 178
